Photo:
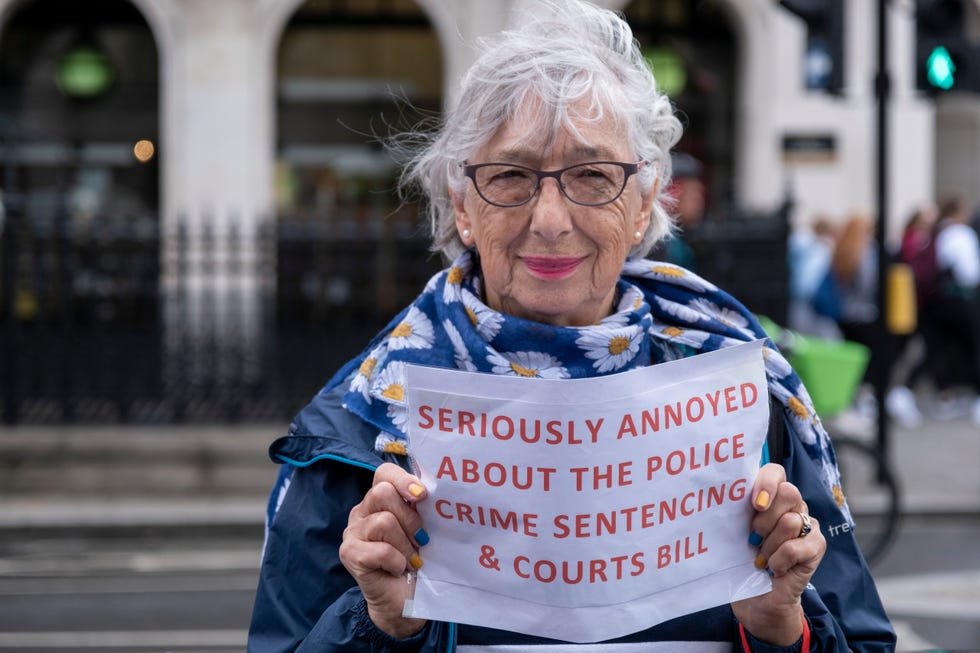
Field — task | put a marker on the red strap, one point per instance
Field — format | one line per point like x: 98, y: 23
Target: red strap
x: 745, y: 641
x: 806, y: 637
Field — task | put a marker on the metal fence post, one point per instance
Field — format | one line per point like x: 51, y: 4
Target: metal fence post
x: 9, y: 223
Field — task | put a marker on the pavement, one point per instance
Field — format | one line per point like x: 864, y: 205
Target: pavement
x: 937, y: 466
x: 207, y: 479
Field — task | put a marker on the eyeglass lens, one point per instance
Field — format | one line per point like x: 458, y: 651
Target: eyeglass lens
x: 589, y: 183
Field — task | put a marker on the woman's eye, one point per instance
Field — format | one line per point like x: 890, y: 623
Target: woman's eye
x: 590, y: 174
x: 510, y: 175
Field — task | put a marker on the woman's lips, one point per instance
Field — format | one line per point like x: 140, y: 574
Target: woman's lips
x: 552, y: 267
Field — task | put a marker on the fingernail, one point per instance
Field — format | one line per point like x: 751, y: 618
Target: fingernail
x: 770, y: 572
x: 417, y: 563
x: 760, y: 562
x: 416, y: 490
x: 423, y: 538
x: 762, y: 500
x: 754, y: 538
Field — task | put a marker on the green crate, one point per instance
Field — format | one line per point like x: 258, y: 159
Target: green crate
x: 831, y: 371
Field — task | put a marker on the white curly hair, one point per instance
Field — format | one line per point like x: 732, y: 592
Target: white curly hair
x: 566, y: 55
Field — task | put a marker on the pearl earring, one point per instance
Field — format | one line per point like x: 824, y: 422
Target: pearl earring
x: 637, y: 235
x: 466, y: 233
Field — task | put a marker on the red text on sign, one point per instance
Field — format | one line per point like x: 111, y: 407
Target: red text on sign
x: 647, y: 515
x: 522, y: 477
x: 690, y: 411
x: 573, y: 572
x: 697, y: 456
x: 603, y: 476
x: 505, y: 427
x: 524, y: 523
x: 683, y: 549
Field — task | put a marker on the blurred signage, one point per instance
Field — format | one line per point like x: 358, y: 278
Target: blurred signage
x: 809, y: 148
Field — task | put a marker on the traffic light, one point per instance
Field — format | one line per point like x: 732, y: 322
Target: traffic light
x: 945, y: 59
x: 824, y: 60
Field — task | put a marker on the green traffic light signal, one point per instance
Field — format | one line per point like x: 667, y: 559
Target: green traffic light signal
x: 940, y: 69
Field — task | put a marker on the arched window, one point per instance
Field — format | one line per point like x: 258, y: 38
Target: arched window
x: 78, y: 92
x: 350, y: 255
x: 694, y: 53
x: 78, y: 167
x: 692, y: 48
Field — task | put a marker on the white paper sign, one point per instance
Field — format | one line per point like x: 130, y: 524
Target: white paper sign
x: 588, y: 509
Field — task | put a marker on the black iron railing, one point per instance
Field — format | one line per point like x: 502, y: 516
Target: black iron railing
x: 112, y: 319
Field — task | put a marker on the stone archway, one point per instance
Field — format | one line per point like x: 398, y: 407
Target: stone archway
x: 754, y: 157
x: 81, y: 90
x: 79, y: 125
x: 693, y: 50
x: 349, y: 254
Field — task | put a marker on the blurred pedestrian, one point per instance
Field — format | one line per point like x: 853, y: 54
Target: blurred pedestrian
x: 854, y: 272
x: 916, y: 244
x: 918, y: 231
x: 952, y: 328
x: 809, y: 250
x: 688, y: 195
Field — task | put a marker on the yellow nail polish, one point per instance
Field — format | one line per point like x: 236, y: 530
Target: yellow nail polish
x: 760, y: 562
x: 416, y: 490
x: 762, y: 500
x: 415, y: 561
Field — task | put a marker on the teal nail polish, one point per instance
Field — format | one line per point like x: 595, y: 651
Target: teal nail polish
x: 421, y: 537
x: 755, y: 539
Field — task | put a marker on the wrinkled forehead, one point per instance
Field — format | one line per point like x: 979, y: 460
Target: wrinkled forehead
x: 539, y: 131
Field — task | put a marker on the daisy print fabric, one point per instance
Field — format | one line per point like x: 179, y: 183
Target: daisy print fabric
x: 664, y: 312
x: 612, y: 347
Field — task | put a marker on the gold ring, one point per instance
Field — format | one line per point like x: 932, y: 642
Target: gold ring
x: 806, y: 528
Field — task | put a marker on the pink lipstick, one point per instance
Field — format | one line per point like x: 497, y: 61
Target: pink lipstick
x: 552, y: 267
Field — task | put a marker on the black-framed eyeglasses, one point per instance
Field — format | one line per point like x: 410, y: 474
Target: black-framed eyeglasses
x: 589, y: 184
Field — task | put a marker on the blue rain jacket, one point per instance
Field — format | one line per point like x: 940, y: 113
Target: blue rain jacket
x: 306, y: 600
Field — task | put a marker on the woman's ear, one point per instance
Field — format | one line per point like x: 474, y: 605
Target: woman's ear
x: 646, y: 208
x: 641, y: 225
x: 463, y: 226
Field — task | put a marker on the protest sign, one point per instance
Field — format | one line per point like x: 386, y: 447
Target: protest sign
x: 588, y: 509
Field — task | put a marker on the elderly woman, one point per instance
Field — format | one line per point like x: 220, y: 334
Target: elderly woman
x: 543, y: 191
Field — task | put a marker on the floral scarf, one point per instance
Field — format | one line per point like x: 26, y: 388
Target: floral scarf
x: 664, y: 313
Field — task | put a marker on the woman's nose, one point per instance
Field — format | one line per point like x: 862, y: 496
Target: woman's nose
x: 550, y: 217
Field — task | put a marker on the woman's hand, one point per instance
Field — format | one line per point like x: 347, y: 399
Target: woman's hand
x: 791, y: 556
x: 380, y: 546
